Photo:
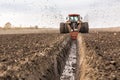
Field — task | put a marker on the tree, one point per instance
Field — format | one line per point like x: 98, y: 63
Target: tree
x: 36, y: 27
x: 7, y: 25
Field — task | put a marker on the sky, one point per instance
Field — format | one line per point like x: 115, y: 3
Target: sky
x: 49, y: 13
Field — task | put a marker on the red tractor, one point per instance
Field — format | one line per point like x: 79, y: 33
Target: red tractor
x: 74, y: 24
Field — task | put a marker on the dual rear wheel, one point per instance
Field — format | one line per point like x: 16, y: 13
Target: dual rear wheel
x: 84, y: 27
x: 64, y: 28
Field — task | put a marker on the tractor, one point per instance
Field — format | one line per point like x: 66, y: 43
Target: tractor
x: 74, y: 24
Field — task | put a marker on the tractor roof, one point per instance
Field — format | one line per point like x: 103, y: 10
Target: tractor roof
x: 74, y: 15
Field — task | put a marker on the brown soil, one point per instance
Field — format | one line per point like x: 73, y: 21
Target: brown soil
x: 100, y: 56
x: 32, y: 56
x: 42, y: 55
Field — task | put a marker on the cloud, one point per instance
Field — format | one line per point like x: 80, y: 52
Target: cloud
x: 6, y: 7
x: 25, y: 13
x: 104, y: 14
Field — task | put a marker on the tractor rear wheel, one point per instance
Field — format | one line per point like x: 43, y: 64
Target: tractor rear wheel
x: 84, y: 27
x: 62, y: 27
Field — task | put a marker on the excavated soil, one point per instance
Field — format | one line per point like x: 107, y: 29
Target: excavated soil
x: 33, y: 56
x: 100, y: 56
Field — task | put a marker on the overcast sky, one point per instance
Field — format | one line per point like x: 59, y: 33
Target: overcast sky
x: 49, y: 13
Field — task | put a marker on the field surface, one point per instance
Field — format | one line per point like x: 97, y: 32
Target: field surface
x: 27, y: 55
x: 101, y: 56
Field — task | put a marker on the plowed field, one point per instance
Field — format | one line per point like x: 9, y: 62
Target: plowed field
x: 101, y: 56
x: 28, y: 56
x: 41, y: 55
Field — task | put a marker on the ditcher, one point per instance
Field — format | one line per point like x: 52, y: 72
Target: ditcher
x: 74, y: 25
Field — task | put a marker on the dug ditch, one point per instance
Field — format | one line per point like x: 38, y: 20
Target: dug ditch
x: 70, y: 67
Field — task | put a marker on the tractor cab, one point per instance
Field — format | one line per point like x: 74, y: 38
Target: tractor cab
x: 74, y: 17
x: 73, y: 22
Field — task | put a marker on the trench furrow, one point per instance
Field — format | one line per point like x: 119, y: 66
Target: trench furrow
x: 70, y: 66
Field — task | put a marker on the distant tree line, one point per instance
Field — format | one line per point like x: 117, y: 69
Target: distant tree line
x: 8, y: 25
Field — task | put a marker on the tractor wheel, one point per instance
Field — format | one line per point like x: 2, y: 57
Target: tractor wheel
x: 84, y: 27
x: 62, y: 27
x: 66, y: 29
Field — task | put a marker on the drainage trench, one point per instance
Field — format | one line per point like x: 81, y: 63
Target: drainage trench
x: 71, y: 62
